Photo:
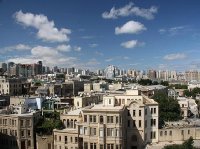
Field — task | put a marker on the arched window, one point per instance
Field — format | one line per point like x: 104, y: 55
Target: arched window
x: 75, y: 123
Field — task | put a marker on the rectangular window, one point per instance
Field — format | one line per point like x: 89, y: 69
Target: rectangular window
x: 161, y: 133
x: 65, y: 139
x: 101, y: 134
x: 139, y: 112
x: 94, y: 119
x: 134, y: 123
x: 85, y: 130
x: 109, y: 119
x: 188, y: 131
x: 182, y: 132
x: 154, y: 110
x: 133, y: 112
x: 128, y: 113
x: 117, y: 119
x: 140, y: 124
x: 85, y: 118
x: 101, y: 146
x: 110, y: 132
x: 90, y: 118
x: 151, y: 110
x: 145, y: 111
x: 165, y: 133
x: 85, y: 145
x: 170, y: 133
x: 76, y: 139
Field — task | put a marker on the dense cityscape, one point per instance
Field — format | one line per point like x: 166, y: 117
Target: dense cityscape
x: 99, y: 74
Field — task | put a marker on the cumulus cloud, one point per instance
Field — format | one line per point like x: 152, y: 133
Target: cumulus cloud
x: 49, y: 55
x: 132, y: 44
x: 175, y: 56
x: 130, y: 27
x: 173, y: 30
x: 77, y: 48
x: 64, y: 48
x: 18, y: 47
x: 130, y: 10
x: 46, y: 29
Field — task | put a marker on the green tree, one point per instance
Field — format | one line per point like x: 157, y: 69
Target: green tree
x: 188, y: 144
x: 169, y: 109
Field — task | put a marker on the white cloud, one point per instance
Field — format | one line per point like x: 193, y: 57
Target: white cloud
x: 131, y: 27
x: 173, y: 30
x: 130, y: 9
x: 109, y: 60
x: 175, y: 56
x: 93, y: 45
x: 49, y: 55
x: 77, y: 48
x: 64, y: 48
x: 18, y: 47
x: 46, y: 29
x: 132, y: 44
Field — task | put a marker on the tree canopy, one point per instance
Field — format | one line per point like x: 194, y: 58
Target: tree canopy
x: 188, y: 144
x: 169, y: 109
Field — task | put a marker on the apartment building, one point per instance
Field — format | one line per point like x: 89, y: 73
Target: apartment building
x: 123, y: 121
x: 17, y: 131
x: 10, y: 86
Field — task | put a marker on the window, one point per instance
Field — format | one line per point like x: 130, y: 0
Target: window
x: 92, y: 131
x: 85, y: 145
x: 153, y: 135
x: 109, y: 101
x: 90, y: 118
x: 59, y: 138
x: 128, y: 113
x: 182, y: 132
x: 117, y: 119
x: 123, y: 101
x: 110, y: 146
x: 153, y: 122
x: 101, y: 134
x: 28, y: 123
x: 71, y: 139
x: 29, y: 143
x: 22, y: 123
x: 161, y: 133
x: 188, y: 131
x: 117, y: 133
x: 65, y: 139
x: 154, y: 110
x: 94, y: 118
x: 76, y: 139
x: 101, y: 119
x: 145, y: 111
x: 22, y: 133
x: 110, y: 132
x: 134, y: 123
x: 128, y: 124
x: 29, y: 133
x: 101, y: 146
x: 109, y: 119
x: 85, y: 130
x: 165, y: 133
x: 139, y: 112
x: 133, y: 112
x: 140, y: 123
x: 151, y: 110
x: 85, y: 118
x: 170, y: 133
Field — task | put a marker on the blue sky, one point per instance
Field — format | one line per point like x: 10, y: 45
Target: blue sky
x: 139, y: 34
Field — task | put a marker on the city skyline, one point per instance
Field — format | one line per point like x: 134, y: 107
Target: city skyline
x: 94, y: 34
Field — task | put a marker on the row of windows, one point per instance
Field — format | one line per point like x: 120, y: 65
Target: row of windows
x: 24, y: 123
x: 9, y: 132
x: 67, y: 139
x: 110, y: 119
x: 101, y: 146
x: 132, y: 123
x: 170, y: 132
x: 110, y: 132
